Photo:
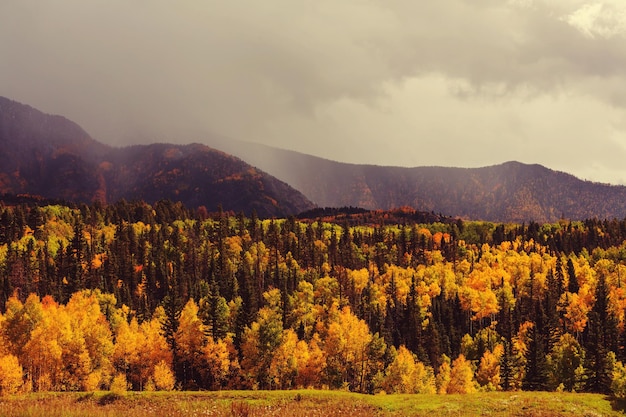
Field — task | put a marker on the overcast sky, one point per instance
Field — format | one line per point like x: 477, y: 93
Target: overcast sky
x: 391, y: 82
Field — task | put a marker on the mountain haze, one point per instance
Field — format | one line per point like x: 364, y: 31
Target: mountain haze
x: 52, y: 157
x: 510, y: 192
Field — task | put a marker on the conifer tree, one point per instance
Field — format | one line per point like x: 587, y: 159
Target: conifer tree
x: 535, y: 378
x: 600, y: 338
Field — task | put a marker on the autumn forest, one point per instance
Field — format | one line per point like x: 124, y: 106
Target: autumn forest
x: 159, y: 297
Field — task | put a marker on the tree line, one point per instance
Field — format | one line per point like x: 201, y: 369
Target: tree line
x: 157, y: 297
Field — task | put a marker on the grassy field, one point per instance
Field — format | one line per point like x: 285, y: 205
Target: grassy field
x: 309, y: 403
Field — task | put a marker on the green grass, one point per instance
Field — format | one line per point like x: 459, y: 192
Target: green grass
x: 307, y: 403
x: 500, y: 404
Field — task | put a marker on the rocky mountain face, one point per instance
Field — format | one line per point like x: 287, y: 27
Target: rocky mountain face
x: 52, y: 157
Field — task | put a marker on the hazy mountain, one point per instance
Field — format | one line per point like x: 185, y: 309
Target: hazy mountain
x: 512, y: 191
x: 52, y: 157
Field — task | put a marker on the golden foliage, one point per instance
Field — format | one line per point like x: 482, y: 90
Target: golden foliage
x: 461, y: 377
x: 163, y: 378
x: 11, y: 374
x: 406, y: 375
x: 488, y: 373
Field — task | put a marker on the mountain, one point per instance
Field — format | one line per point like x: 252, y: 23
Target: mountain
x: 510, y: 192
x: 198, y: 176
x: 53, y: 157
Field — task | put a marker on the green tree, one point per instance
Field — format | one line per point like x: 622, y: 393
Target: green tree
x: 600, y: 336
x: 565, y: 364
x: 260, y: 341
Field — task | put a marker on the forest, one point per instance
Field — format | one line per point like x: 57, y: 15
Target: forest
x: 160, y: 297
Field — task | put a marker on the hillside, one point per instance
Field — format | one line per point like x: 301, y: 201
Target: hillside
x: 510, y: 192
x: 52, y: 157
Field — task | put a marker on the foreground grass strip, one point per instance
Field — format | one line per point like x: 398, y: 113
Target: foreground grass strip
x: 500, y: 404
x: 307, y: 403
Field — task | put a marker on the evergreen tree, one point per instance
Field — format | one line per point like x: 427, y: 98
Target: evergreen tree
x: 536, y: 376
x: 600, y: 338
x: 572, y: 285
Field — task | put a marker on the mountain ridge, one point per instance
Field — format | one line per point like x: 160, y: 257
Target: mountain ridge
x: 53, y: 157
x: 510, y: 192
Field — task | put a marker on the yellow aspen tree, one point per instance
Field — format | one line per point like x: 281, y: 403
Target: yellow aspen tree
x: 520, y: 343
x: 88, y: 321
x: 163, y: 377
x: 311, y: 363
x: 119, y: 384
x: 284, y: 365
x: 11, y: 374
x: 152, y: 348
x: 233, y: 379
x: 43, y: 358
x: 346, y: 345
x: 576, y: 311
x: 359, y: 279
x: 265, y: 334
x: 488, y: 373
x: 4, y: 349
x: 190, y: 339
x: 302, y: 307
x: 42, y: 355
x: 250, y: 356
x: 125, y: 353
x: 217, y: 363
x: 406, y: 375
x: 477, y: 295
x: 398, y: 373
x: 19, y: 321
x: 443, y: 375
x: 56, y: 354
x: 325, y: 296
x: 424, y: 379
x: 301, y: 357
x: 461, y: 377
x: 75, y: 357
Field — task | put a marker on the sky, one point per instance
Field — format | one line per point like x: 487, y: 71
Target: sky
x: 389, y: 82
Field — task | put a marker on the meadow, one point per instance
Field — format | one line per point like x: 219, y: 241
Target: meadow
x: 308, y: 403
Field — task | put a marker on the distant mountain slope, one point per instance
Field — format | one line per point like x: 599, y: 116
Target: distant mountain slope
x: 510, y: 192
x: 198, y: 175
x: 52, y: 157
x: 46, y: 155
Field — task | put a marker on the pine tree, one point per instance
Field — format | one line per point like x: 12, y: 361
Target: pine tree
x: 572, y: 281
x: 600, y: 338
x: 536, y: 375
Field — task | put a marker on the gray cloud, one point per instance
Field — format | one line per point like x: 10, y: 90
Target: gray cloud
x: 453, y: 82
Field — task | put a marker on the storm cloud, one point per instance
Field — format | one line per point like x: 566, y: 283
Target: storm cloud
x: 394, y: 82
